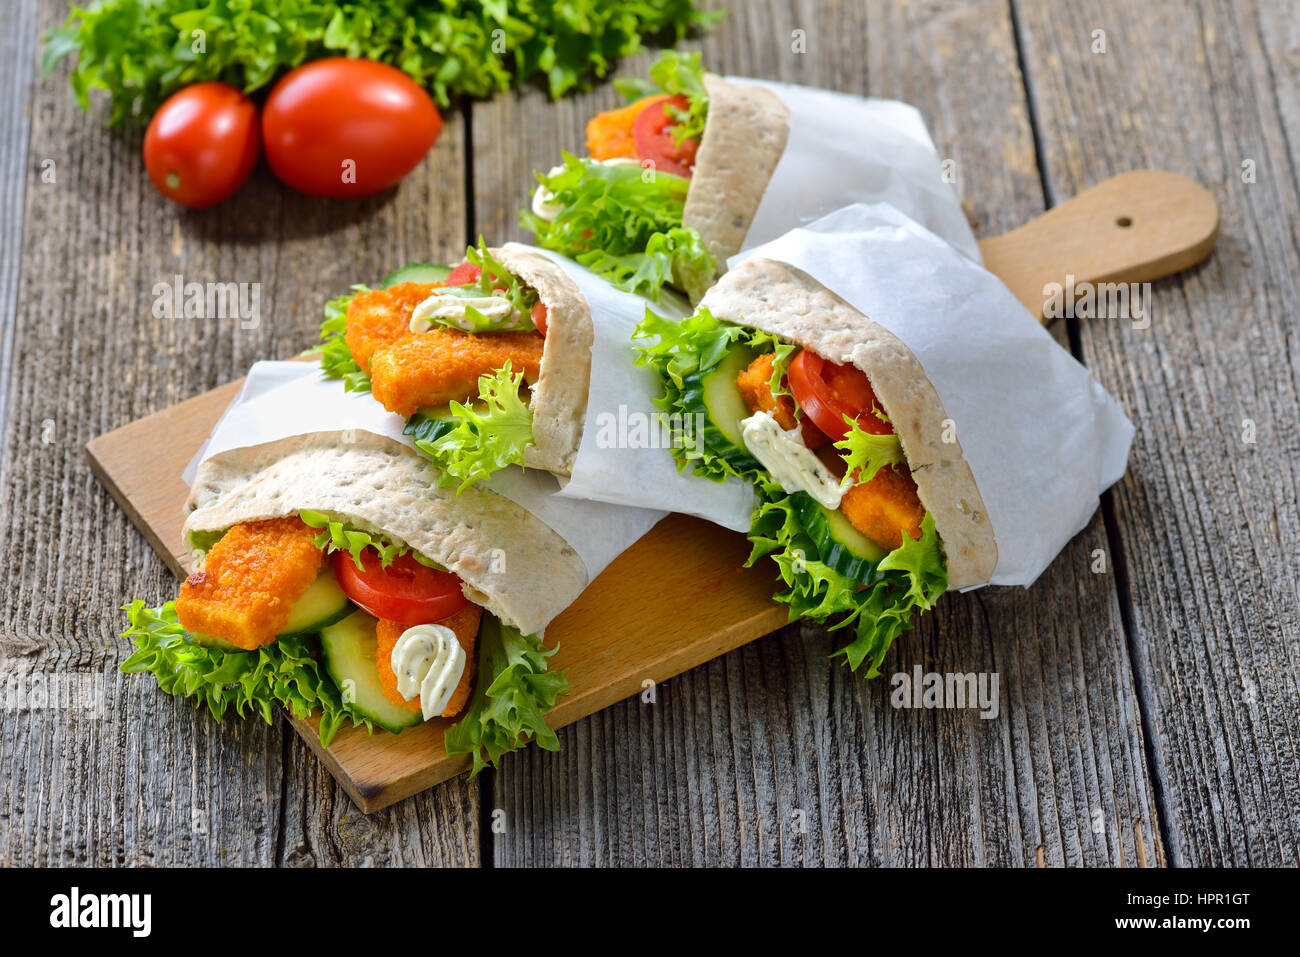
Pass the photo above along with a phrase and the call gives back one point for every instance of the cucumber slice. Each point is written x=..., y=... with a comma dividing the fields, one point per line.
x=430, y=424
x=349, y=649
x=416, y=272
x=323, y=603
x=838, y=543
x=717, y=393
x=215, y=642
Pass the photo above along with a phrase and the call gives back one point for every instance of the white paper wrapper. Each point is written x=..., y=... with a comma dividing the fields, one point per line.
x=609, y=467
x=1042, y=437
x=850, y=149
x=282, y=399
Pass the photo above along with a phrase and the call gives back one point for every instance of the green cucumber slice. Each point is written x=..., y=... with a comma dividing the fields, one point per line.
x=716, y=392
x=349, y=650
x=838, y=543
x=416, y=272
x=323, y=603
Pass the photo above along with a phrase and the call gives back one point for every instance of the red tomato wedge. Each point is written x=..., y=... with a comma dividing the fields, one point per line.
x=405, y=592
x=652, y=131
x=464, y=274
x=539, y=316
x=827, y=392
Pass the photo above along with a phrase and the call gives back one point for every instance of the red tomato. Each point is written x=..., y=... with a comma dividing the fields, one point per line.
x=652, y=131
x=202, y=144
x=827, y=392
x=405, y=592
x=464, y=274
x=539, y=316
x=340, y=127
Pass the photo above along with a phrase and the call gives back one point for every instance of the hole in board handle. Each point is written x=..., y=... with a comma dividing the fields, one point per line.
x=1124, y=222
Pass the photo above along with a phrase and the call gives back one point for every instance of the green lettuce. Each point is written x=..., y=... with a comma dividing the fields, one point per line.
x=676, y=74
x=336, y=359
x=141, y=51
x=512, y=693
x=686, y=350
x=344, y=537
x=866, y=454
x=487, y=436
x=910, y=578
x=623, y=223
x=284, y=674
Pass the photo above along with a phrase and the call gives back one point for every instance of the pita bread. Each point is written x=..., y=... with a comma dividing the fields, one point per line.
x=559, y=397
x=744, y=136
x=512, y=563
x=779, y=299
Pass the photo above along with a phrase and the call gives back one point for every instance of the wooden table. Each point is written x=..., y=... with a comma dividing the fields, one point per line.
x=1149, y=709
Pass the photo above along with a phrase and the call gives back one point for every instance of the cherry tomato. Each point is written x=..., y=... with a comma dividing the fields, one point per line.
x=827, y=392
x=202, y=144
x=405, y=592
x=652, y=132
x=341, y=127
x=464, y=274
x=539, y=316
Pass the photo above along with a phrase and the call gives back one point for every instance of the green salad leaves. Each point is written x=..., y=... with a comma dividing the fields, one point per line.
x=624, y=223
x=141, y=51
x=487, y=436
x=284, y=674
x=682, y=353
x=336, y=359
x=344, y=537
x=512, y=693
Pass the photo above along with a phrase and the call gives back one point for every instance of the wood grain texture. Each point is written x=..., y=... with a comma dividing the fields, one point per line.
x=772, y=754
x=153, y=781
x=1207, y=520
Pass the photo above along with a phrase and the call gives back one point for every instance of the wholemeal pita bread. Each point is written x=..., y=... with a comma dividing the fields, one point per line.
x=512, y=563
x=559, y=397
x=744, y=136
x=781, y=300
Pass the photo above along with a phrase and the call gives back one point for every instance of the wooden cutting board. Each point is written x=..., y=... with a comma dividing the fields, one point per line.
x=620, y=634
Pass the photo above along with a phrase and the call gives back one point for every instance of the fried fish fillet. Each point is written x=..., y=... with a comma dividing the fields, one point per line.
x=250, y=581
x=435, y=367
x=378, y=318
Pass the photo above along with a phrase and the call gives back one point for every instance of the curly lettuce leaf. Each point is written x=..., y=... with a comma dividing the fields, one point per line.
x=488, y=436
x=344, y=537
x=865, y=454
x=624, y=223
x=676, y=74
x=908, y=579
x=141, y=51
x=336, y=359
x=512, y=693
x=284, y=674
x=680, y=353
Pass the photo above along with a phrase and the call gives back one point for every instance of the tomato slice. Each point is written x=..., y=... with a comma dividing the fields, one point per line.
x=464, y=274
x=827, y=392
x=538, y=315
x=406, y=591
x=652, y=131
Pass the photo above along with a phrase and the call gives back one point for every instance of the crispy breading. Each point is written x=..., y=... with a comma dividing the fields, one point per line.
x=609, y=134
x=465, y=626
x=382, y=316
x=755, y=389
x=434, y=367
x=882, y=508
x=250, y=581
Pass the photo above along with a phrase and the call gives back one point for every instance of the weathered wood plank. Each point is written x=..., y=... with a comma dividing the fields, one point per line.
x=1208, y=519
x=154, y=782
x=773, y=754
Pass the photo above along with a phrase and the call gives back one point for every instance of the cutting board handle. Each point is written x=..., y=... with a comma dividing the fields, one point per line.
x=1134, y=227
